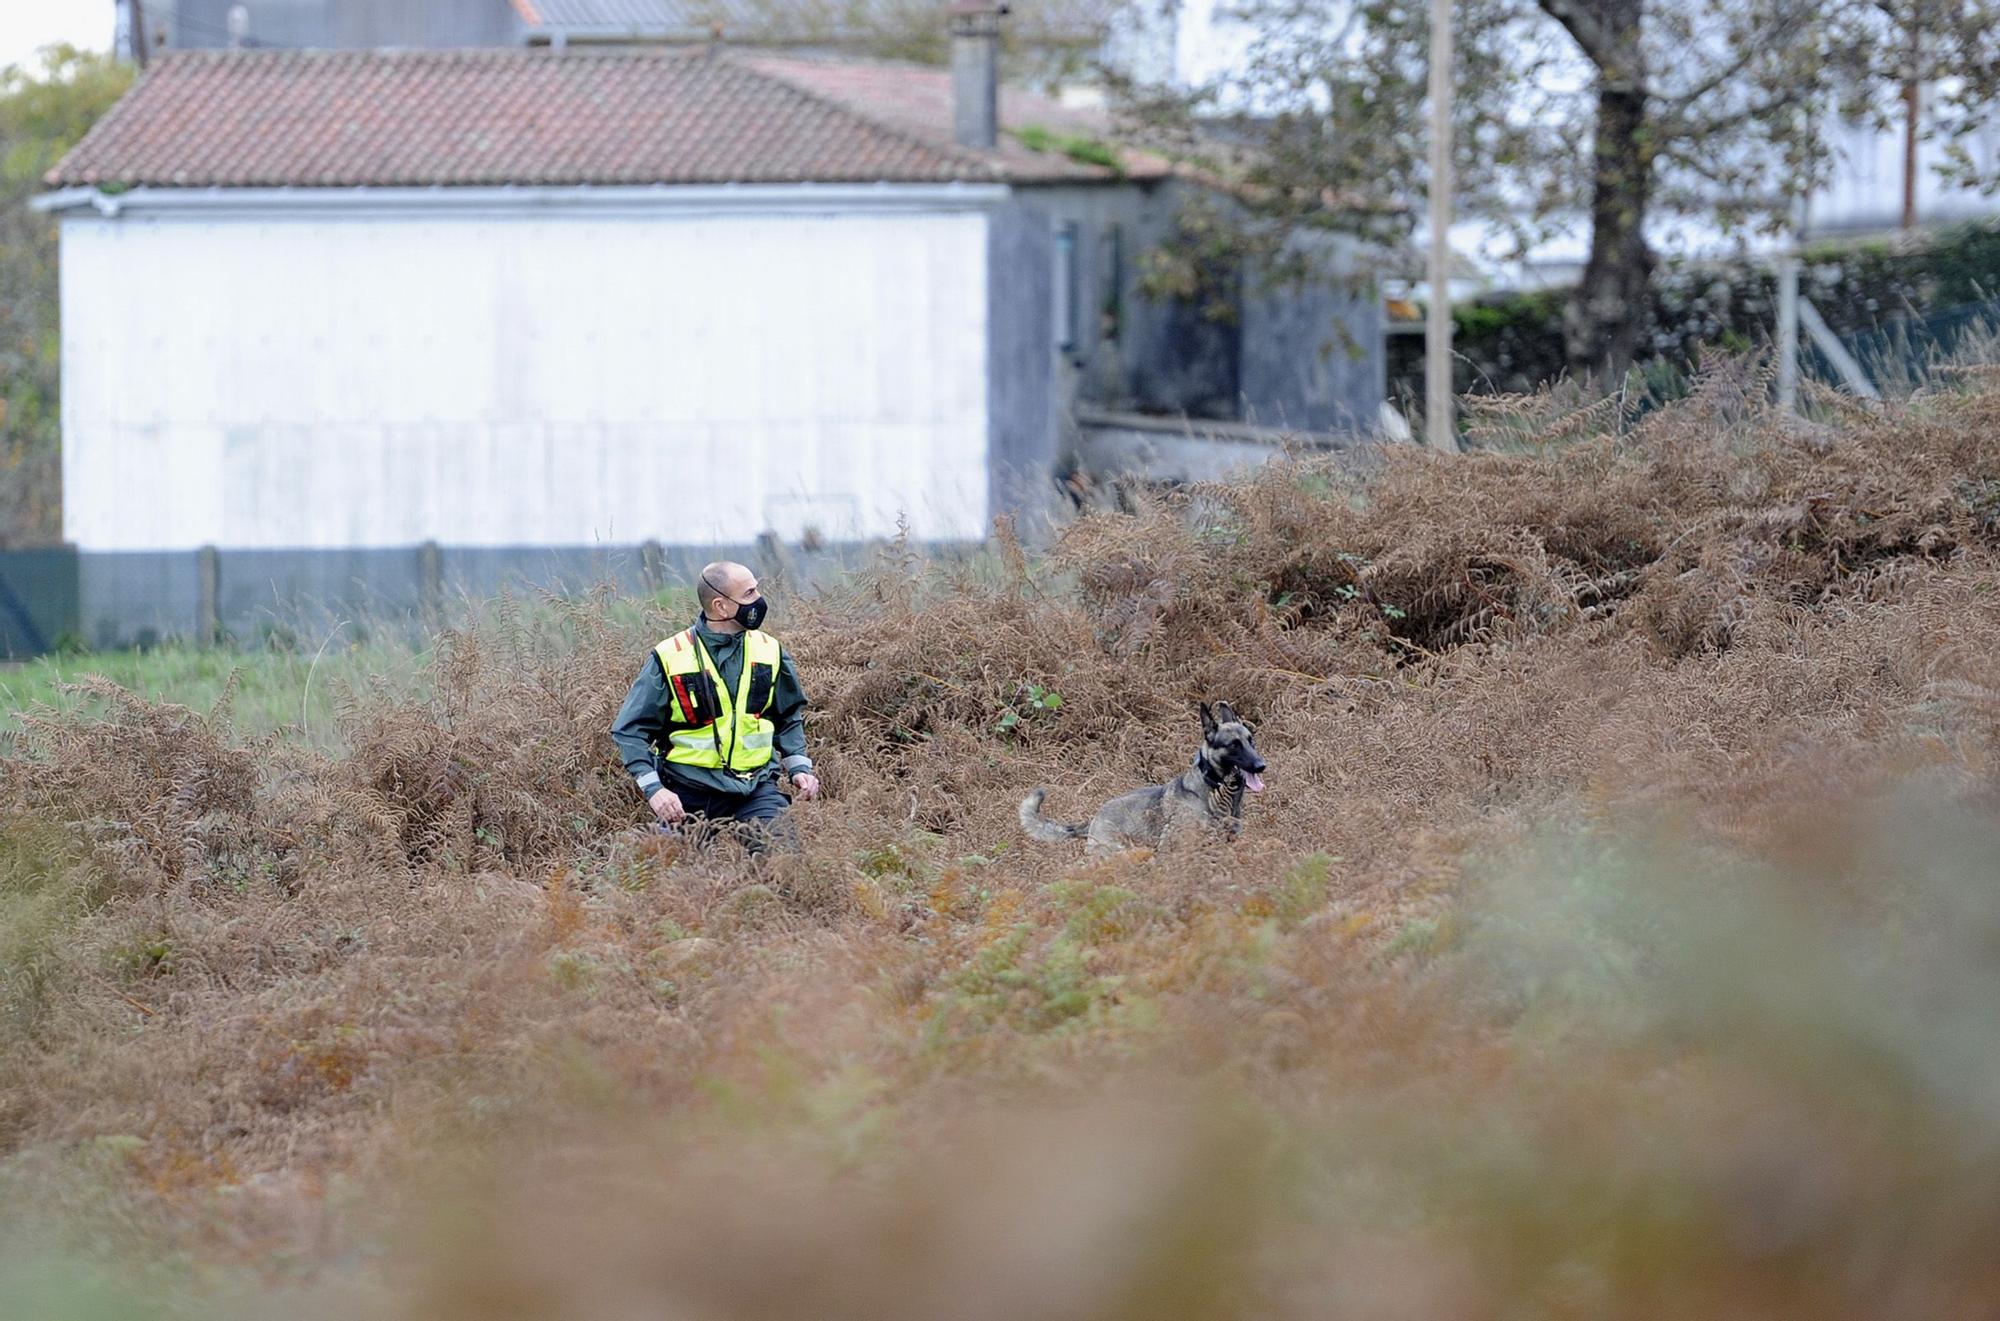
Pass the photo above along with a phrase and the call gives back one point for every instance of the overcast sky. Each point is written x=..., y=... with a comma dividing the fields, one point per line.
x=28, y=25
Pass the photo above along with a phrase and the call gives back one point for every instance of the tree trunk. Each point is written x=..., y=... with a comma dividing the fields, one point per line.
x=1607, y=314
x=1913, y=106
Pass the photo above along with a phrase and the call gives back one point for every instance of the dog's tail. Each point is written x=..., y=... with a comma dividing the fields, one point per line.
x=1040, y=827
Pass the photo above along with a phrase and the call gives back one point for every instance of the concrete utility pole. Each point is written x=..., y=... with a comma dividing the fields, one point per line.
x=1788, y=326
x=1438, y=420
x=1788, y=305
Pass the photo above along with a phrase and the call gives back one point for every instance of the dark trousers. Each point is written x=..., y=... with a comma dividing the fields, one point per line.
x=758, y=816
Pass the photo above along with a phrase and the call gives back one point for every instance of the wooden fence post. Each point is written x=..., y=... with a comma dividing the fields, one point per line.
x=208, y=596
x=652, y=567
x=430, y=585
x=773, y=567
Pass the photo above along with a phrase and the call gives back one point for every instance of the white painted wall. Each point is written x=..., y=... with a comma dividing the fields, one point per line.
x=1178, y=43
x=541, y=378
x=1866, y=190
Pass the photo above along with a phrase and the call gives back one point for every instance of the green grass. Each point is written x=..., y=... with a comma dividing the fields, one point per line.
x=278, y=691
x=48, y=884
x=291, y=687
x=1079, y=148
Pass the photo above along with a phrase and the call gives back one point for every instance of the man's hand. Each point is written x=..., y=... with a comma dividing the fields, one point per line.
x=807, y=784
x=666, y=805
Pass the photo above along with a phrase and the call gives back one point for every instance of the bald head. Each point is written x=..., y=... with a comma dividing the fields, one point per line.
x=724, y=589
x=723, y=578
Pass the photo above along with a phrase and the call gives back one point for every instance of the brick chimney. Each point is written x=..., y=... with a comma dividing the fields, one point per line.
x=975, y=72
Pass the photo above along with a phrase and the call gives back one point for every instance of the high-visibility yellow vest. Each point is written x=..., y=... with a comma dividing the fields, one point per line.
x=706, y=725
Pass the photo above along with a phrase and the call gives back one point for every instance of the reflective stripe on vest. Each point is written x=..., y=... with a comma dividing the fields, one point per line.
x=733, y=740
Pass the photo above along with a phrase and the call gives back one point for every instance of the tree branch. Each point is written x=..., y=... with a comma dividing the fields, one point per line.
x=1758, y=44
x=1683, y=128
x=1694, y=164
x=1583, y=28
x=1739, y=184
x=1687, y=99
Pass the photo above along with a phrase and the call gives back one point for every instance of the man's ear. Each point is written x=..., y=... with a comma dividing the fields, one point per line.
x=1208, y=723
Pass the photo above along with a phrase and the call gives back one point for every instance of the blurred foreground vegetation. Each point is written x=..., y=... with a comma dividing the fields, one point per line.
x=1619, y=935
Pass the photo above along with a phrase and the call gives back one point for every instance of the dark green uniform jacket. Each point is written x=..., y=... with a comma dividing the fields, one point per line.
x=642, y=722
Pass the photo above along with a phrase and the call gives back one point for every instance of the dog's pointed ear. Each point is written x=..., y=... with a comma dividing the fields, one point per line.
x=1224, y=713
x=1208, y=721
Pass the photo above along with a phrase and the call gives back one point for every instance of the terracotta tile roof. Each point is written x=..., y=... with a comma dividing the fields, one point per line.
x=416, y=118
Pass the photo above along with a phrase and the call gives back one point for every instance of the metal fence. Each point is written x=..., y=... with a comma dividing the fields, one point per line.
x=1905, y=352
x=55, y=598
x=38, y=601
x=103, y=601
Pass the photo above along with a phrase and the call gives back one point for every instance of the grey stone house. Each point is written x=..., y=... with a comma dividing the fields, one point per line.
x=334, y=319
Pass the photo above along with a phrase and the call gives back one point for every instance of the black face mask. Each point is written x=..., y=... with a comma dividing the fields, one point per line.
x=750, y=614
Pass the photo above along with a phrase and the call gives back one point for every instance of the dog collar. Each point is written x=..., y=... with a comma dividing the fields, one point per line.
x=1208, y=773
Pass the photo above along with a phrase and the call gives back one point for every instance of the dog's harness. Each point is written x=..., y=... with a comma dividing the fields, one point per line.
x=1219, y=787
x=1221, y=793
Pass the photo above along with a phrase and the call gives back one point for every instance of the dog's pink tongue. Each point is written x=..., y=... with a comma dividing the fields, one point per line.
x=1253, y=782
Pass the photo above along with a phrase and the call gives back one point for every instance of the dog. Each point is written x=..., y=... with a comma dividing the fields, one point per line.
x=1206, y=796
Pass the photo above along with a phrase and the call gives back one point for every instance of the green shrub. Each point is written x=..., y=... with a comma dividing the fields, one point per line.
x=49, y=882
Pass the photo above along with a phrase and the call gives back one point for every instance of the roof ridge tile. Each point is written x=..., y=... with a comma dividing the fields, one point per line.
x=360, y=118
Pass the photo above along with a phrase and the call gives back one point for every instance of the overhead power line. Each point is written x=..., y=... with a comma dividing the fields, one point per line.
x=151, y=11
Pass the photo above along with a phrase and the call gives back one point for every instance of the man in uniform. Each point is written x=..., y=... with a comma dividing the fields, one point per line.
x=716, y=713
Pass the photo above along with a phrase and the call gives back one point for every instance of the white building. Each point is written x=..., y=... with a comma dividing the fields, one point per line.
x=503, y=298
x=323, y=309
x=1865, y=194
x=320, y=309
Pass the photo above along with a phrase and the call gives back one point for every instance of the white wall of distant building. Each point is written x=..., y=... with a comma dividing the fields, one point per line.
x=382, y=379
x=1178, y=43
x=1866, y=191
